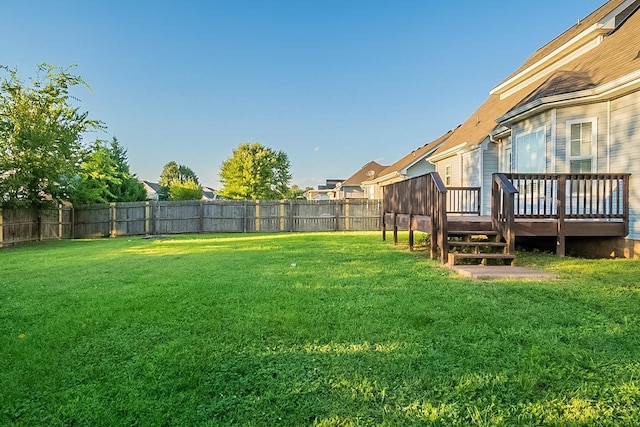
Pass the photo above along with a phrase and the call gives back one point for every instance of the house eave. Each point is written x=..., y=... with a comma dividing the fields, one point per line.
x=446, y=153
x=586, y=40
x=615, y=88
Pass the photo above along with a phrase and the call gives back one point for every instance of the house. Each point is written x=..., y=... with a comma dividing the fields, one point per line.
x=324, y=192
x=209, y=193
x=565, y=129
x=413, y=164
x=583, y=115
x=352, y=188
x=153, y=189
x=482, y=144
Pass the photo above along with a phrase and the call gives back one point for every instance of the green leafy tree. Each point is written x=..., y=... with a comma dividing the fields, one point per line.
x=97, y=175
x=296, y=192
x=189, y=190
x=130, y=189
x=40, y=136
x=255, y=172
x=173, y=172
x=105, y=177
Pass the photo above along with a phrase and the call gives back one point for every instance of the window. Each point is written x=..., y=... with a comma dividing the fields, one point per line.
x=581, y=141
x=531, y=152
x=506, y=158
x=447, y=175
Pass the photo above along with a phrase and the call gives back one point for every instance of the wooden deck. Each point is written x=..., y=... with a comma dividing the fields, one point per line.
x=523, y=205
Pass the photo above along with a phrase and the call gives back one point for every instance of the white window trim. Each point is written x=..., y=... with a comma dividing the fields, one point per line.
x=594, y=143
x=514, y=147
x=448, y=167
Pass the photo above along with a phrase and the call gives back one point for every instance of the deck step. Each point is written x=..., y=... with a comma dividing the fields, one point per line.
x=455, y=256
x=477, y=243
x=472, y=233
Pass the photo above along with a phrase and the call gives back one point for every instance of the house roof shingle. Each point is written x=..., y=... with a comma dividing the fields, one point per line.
x=587, y=71
x=595, y=68
x=369, y=171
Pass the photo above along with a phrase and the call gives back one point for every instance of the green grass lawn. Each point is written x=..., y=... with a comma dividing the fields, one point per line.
x=214, y=330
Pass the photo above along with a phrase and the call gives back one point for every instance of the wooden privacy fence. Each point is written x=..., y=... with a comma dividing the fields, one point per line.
x=140, y=218
x=24, y=225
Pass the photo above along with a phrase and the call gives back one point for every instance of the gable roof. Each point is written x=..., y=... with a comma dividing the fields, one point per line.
x=614, y=62
x=579, y=38
x=479, y=125
x=153, y=186
x=366, y=172
x=419, y=154
x=521, y=86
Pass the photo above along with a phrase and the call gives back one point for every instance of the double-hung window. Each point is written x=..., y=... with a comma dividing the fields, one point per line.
x=447, y=175
x=581, y=145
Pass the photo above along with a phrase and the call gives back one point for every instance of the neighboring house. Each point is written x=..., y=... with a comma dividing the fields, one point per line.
x=324, y=192
x=573, y=106
x=209, y=193
x=153, y=190
x=411, y=165
x=352, y=188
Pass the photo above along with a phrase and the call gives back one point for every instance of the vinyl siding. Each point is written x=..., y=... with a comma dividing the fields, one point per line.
x=583, y=112
x=471, y=168
x=420, y=168
x=454, y=161
x=625, y=151
x=489, y=167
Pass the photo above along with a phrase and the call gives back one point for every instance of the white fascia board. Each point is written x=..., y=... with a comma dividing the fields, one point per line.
x=446, y=153
x=552, y=67
x=585, y=38
x=382, y=178
x=612, y=89
x=418, y=159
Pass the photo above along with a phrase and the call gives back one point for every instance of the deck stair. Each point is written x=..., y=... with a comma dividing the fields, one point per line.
x=477, y=245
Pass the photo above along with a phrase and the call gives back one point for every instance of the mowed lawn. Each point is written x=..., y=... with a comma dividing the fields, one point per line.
x=327, y=329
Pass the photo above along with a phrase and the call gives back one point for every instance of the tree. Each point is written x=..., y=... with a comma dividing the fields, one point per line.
x=296, y=192
x=189, y=190
x=40, y=136
x=105, y=177
x=173, y=173
x=255, y=172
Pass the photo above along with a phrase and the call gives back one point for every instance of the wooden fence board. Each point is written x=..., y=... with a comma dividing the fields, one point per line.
x=173, y=217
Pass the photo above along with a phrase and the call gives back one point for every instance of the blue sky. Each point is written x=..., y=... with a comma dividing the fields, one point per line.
x=333, y=83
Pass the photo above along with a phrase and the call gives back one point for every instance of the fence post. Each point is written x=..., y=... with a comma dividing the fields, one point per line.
x=291, y=215
x=346, y=214
x=282, y=214
x=201, y=223
x=1, y=229
x=147, y=217
x=112, y=215
x=257, y=216
x=60, y=221
x=244, y=217
x=336, y=215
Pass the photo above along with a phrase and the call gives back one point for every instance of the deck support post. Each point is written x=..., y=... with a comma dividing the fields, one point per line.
x=395, y=229
x=411, y=232
x=562, y=197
